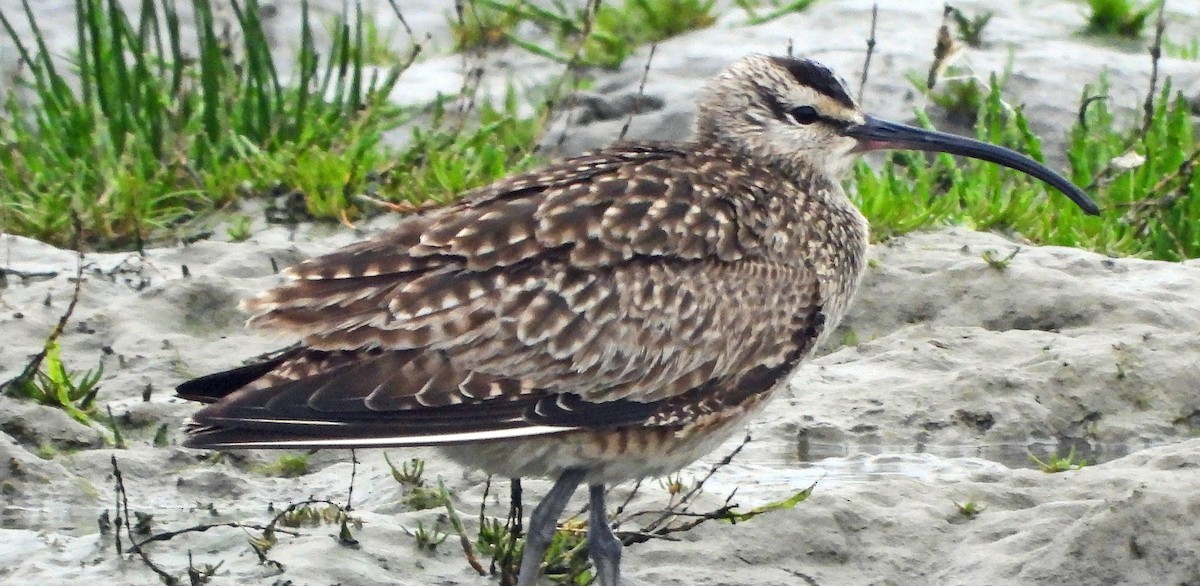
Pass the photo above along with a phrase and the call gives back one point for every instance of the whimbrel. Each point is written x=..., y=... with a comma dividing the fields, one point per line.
x=607, y=317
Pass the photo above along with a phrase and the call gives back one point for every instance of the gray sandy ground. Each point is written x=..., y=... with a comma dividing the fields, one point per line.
x=945, y=372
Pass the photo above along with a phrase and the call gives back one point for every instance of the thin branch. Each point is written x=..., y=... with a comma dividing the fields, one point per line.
x=661, y=525
x=1139, y=209
x=862, y=83
x=403, y=22
x=504, y=556
x=24, y=275
x=571, y=72
x=641, y=93
x=944, y=50
x=292, y=507
x=473, y=69
x=1081, y=116
x=1110, y=171
x=1155, y=55
x=123, y=514
x=353, y=473
x=628, y=498
x=168, y=535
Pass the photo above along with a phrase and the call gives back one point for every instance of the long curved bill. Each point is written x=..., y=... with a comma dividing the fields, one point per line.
x=877, y=134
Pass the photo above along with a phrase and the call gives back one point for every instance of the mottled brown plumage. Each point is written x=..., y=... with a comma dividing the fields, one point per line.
x=604, y=290
x=607, y=317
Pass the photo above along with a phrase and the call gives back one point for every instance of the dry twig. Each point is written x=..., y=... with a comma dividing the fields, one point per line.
x=1155, y=54
x=862, y=83
x=641, y=93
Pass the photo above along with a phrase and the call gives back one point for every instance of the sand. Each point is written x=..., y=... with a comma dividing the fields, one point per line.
x=946, y=373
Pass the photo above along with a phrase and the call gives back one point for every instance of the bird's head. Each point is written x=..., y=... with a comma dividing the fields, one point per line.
x=798, y=114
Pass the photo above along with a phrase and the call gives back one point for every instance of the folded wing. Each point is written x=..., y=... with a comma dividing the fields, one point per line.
x=594, y=294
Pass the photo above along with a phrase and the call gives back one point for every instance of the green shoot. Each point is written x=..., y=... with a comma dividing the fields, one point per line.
x=970, y=28
x=566, y=557
x=1053, y=463
x=409, y=474
x=428, y=539
x=162, y=436
x=493, y=535
x=779, y=505
x=57, y=386
x=239, y=228
x=995, y=261
x=969, y=508
x=312, y=515
x=118, y=438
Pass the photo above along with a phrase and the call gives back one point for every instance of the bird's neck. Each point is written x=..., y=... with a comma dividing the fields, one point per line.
x=798, y=214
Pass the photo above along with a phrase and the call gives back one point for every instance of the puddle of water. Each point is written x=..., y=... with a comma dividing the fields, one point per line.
x=767, y=469
x=1010, y=455
x=73, y=521
x=77, y=521
x=854, y=469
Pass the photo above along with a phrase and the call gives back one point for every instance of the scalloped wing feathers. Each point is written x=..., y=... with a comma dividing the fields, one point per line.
x=600, y=291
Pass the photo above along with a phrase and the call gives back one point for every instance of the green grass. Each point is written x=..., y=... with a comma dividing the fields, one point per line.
x=1122, y=18
x=760, y=11
x=118, y=438
x=288, y=466
x=604, y=39
x=1149, y=210
x=447, y=158
x=482, y=25
x=376, y=45
x=1152, y=207
x=409, y=474
x=960, y=97
x=172, y=133
x=239, y=228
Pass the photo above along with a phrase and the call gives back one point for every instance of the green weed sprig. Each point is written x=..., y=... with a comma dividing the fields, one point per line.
x=57, y=386
x=158, y=132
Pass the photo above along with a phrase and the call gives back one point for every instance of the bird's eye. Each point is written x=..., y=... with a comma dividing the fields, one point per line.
x=804, y=114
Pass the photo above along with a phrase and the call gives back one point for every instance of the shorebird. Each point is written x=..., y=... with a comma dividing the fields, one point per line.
x=608, y=317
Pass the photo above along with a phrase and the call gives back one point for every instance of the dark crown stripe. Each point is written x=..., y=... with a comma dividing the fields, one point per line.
x=816, y=76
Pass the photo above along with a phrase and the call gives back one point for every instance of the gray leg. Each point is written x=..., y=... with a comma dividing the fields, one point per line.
x=542, y=523
x=603, y=546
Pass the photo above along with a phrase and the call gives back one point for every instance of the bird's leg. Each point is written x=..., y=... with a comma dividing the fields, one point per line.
x=603, y=546
x=542, y=522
